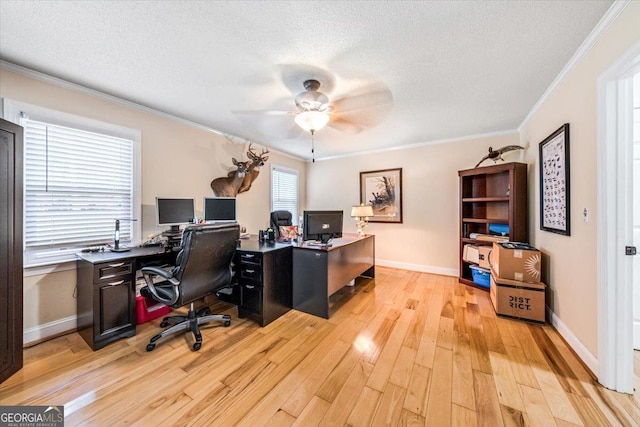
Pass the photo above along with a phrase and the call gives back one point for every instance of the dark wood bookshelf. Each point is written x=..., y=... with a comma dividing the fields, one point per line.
x=492, y=195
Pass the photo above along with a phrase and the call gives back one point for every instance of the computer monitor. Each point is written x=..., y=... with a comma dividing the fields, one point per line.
x=174, y=212
x=219, y=209
x=322, y=225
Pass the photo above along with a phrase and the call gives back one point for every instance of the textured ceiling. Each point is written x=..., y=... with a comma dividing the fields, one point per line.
x=398, y=73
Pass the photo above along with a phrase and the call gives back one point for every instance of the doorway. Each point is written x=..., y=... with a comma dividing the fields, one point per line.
x=636, y=211
x=616, y=219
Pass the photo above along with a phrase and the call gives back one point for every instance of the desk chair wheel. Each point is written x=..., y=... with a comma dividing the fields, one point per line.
x=150, y=347
x=164, y=323
x=197, y=346
x=227, y=323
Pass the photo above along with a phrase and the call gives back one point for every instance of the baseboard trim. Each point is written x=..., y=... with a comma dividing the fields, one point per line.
x=417, y=267
x=39, y=333
x=576, y=345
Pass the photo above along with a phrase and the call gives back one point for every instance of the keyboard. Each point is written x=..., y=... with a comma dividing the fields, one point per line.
x=318, y=245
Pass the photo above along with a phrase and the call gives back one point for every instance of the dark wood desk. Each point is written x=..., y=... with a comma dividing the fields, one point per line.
x=106, y=299
x=264, y=278
x=318, y=273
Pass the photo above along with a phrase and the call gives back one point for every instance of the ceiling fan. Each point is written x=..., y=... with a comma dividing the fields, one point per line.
x=350, y=113
x=314, y=107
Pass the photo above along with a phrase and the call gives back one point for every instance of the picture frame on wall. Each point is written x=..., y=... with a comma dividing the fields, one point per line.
x=554, y=182
x=382, y=190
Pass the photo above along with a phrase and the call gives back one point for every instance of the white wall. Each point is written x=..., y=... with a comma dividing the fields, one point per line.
x=428, y=238
x=571, y=273
x=177, y=160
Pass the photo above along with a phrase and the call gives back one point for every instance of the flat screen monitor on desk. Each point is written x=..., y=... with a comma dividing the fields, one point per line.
x=322, y=225
x=220, y=209
x=174, y=212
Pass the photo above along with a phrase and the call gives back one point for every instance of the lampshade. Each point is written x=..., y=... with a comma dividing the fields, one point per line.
x=361, y=211
x=312, y=120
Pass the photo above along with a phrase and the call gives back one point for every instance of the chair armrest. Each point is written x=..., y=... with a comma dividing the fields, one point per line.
x=156, y=271
x=149, y=272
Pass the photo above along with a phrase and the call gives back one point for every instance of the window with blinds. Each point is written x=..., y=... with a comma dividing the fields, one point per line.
x=284, y=191
x=78, y=181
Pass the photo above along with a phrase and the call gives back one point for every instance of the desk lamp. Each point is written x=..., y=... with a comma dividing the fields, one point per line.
x=361, y=214
x=116, y=237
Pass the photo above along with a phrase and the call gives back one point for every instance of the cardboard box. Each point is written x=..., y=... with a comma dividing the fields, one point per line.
x=483, y=256
x=516, y=261
x=470, y=253
x=517, y=299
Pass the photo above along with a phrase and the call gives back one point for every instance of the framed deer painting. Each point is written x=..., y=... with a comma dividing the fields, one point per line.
x=382, y=190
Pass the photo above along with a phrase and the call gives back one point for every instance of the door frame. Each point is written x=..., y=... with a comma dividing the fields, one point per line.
x=614, y=231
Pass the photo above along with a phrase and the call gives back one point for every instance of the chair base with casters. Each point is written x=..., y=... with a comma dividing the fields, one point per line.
x=191, y=321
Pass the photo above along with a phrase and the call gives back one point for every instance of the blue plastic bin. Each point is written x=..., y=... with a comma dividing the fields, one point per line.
x=500, y=229
x=481, y=276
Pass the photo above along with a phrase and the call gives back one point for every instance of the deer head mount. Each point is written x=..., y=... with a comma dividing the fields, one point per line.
x=240, y=180
x=257, y=160
x=228, y=186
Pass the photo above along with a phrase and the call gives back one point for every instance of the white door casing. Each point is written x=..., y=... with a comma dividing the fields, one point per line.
x=636, y=210
x=615, y=207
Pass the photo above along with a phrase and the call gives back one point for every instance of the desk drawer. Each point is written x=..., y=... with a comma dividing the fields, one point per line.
x=111, y=270
x=247, y=258
x=251, y=298
x=251, y=272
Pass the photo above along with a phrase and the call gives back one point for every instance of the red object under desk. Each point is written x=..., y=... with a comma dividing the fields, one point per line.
x=148, y=309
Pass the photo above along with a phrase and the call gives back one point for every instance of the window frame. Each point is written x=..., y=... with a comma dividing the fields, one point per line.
x=284, y=169
x=12, y=111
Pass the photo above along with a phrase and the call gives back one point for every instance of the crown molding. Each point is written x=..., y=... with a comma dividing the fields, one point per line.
x=612, y=13
x=18, y=69
x=420, y=144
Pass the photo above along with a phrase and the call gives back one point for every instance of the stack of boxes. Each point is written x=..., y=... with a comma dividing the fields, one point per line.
x=516, y=289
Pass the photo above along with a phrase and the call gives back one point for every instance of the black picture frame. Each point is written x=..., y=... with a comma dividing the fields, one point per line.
x=555, y=200
x=382, y=190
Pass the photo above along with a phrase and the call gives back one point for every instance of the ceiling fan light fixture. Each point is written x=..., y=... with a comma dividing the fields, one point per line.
x=312, y=121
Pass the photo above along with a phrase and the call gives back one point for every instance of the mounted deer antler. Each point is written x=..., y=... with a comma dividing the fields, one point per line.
x=228, y=186
x=257, y=160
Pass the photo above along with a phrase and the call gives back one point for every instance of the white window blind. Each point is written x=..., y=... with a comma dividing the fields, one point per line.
x=77, y=183
x=284, y=191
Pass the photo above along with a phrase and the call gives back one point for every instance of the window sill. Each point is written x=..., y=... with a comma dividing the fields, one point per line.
x=56, y=267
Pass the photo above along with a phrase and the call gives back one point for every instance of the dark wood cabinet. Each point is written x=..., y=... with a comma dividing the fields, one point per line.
x=264, y=274
x=492, y=195
x=107, y=292
x=106, y=301
x=11, y=173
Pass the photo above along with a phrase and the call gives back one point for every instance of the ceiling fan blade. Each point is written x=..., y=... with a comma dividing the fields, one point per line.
x=362, y=101
x=294, y=132
x=344, y=125
x=267, y=112
x=270, y=123
x=293, y=76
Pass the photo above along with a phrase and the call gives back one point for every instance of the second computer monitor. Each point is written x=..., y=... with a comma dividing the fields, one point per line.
x=219, y=209
x=322, y=225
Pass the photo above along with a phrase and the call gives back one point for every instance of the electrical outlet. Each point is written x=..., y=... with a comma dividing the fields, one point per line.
x=585, y=215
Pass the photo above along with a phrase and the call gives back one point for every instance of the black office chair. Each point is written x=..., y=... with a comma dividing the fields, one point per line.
x=203, y=267
x=279, y=218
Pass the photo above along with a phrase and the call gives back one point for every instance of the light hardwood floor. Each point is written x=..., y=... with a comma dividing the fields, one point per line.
x=406, y=349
